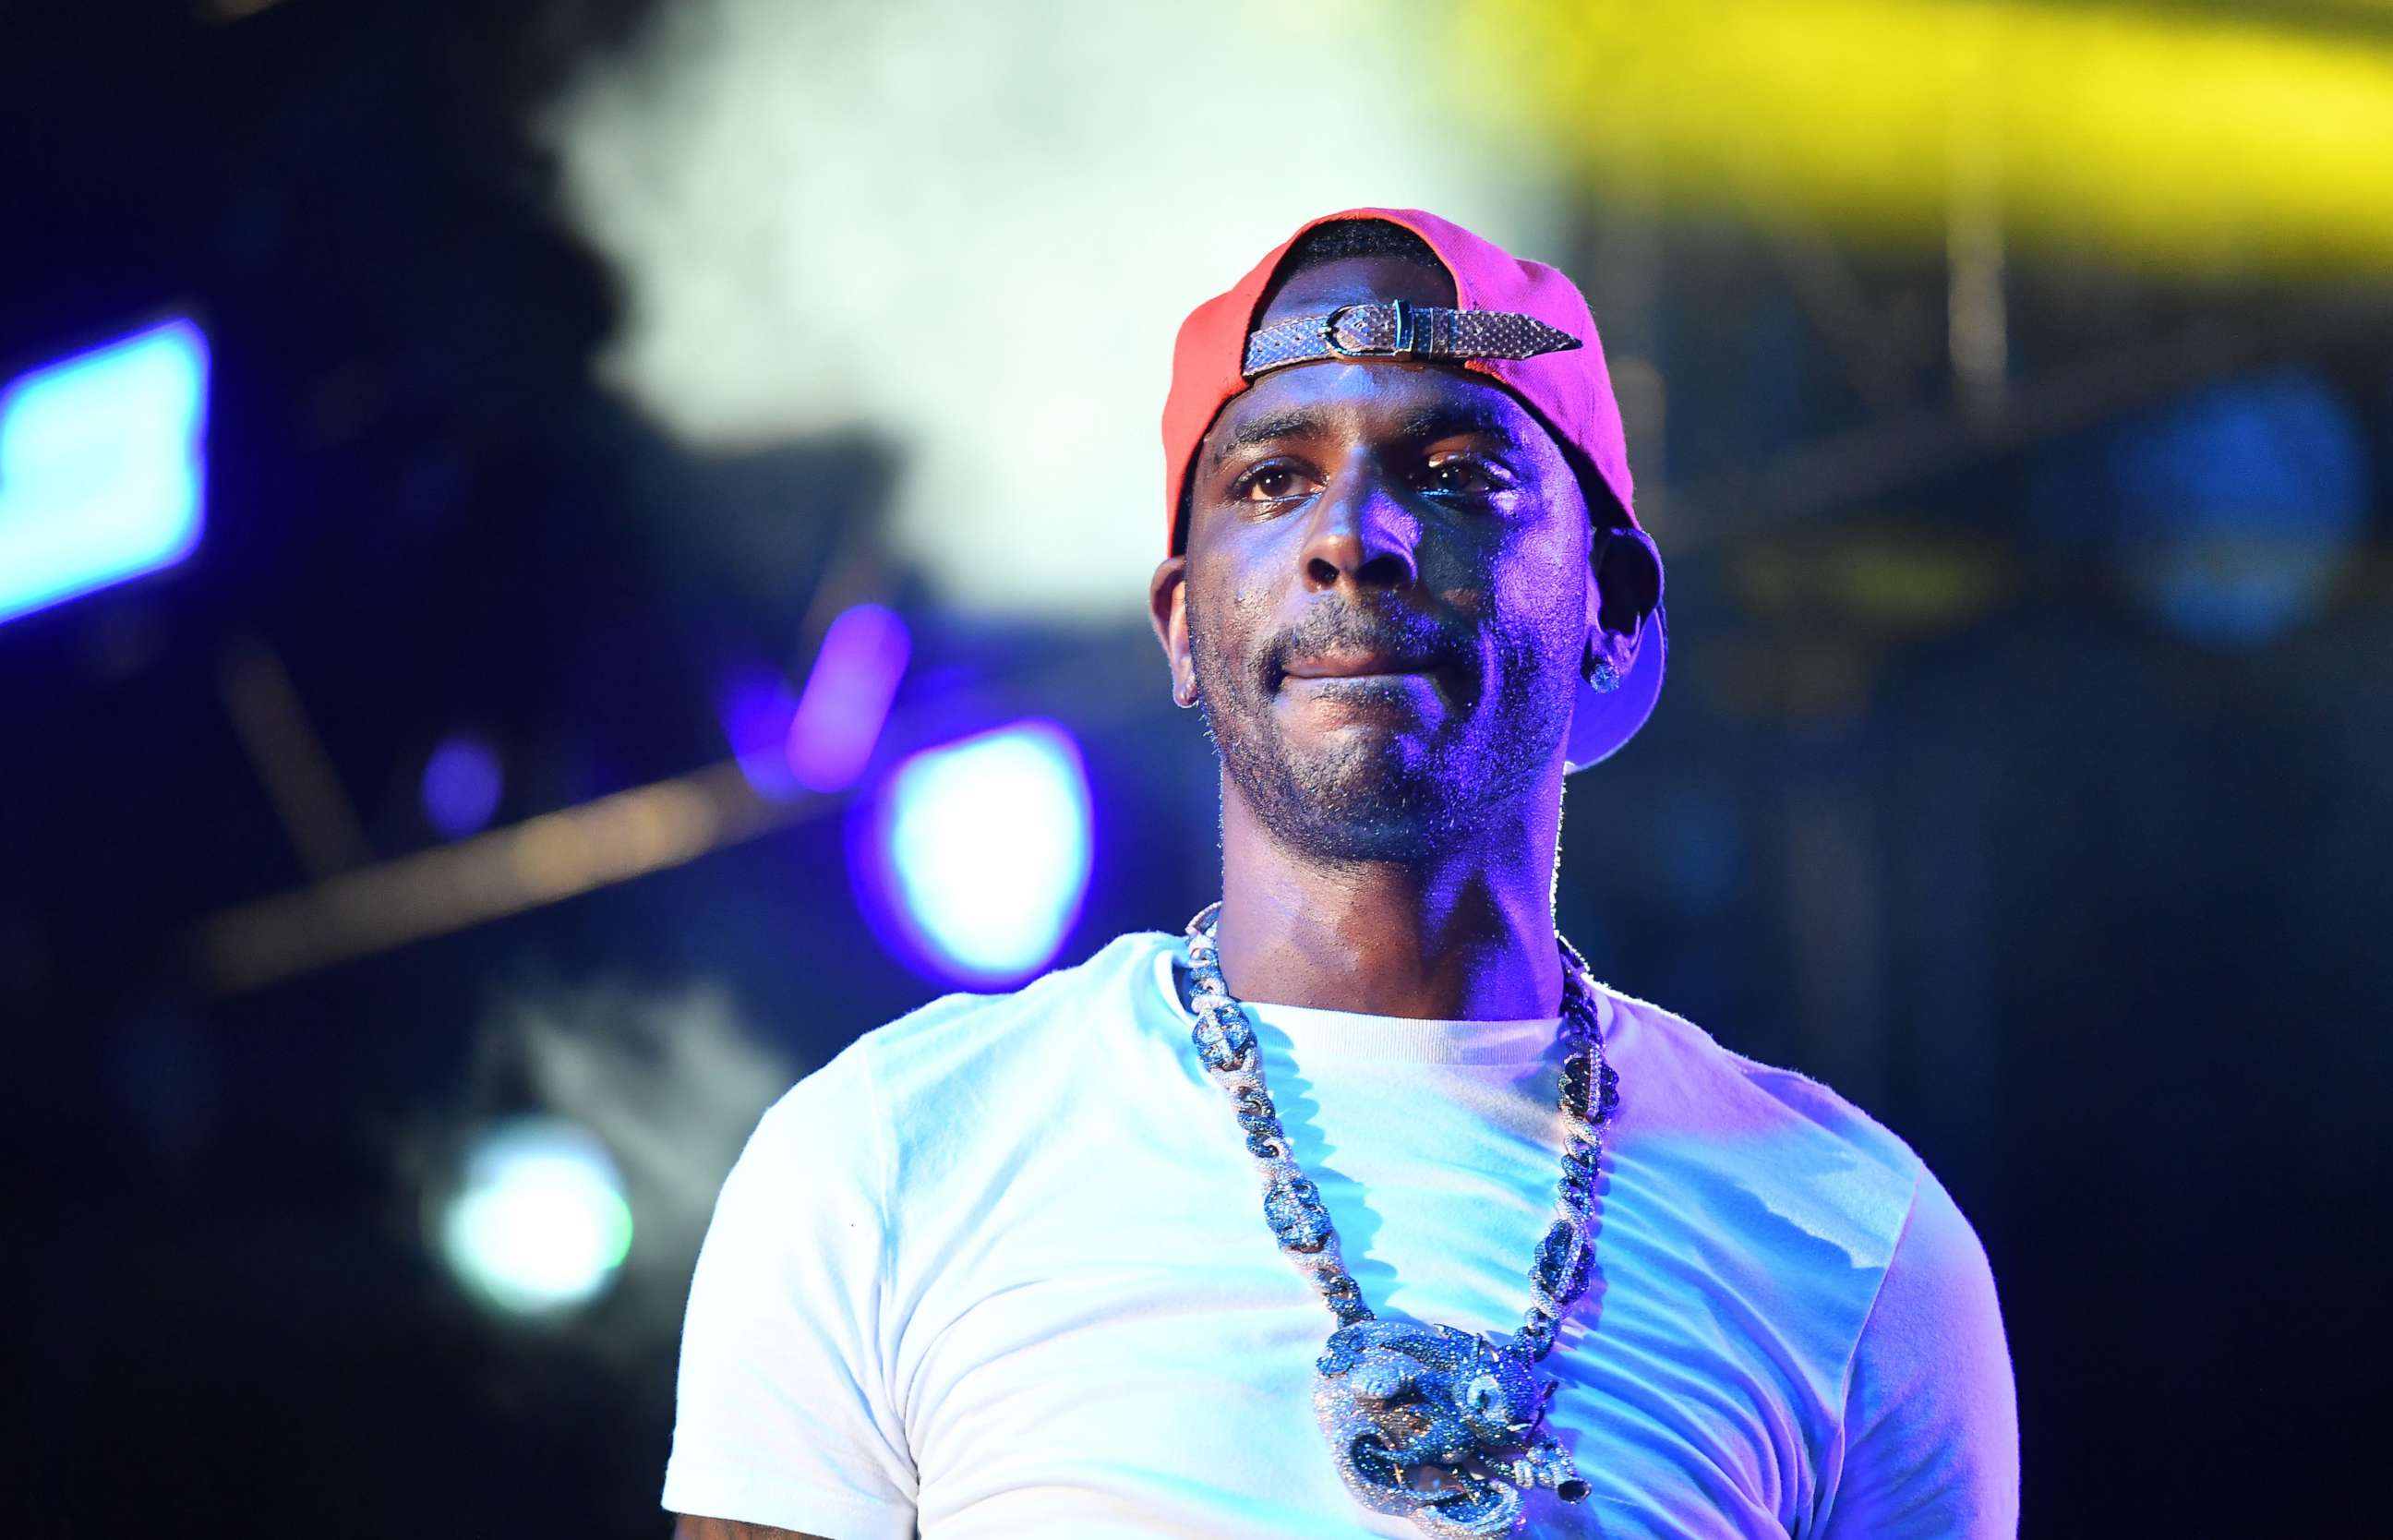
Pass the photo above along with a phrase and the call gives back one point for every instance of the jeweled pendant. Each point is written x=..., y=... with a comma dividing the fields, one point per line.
x=1433, y=1424
x=1439, y=1425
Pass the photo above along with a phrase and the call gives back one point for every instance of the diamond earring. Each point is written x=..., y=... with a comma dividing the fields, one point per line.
x=1602, y=677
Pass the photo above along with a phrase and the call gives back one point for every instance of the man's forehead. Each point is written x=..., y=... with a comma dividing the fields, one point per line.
x=1383, y=398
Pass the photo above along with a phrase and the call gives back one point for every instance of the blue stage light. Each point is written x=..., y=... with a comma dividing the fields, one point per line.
x=2247, y=503
x=537, y=1222
x=102, y=466
x=2232, y=514
x=462, y=782
x=974, y=857
x=755, y=706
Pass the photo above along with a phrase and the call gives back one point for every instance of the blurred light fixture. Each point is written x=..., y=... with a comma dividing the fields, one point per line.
x=618, y=837
x=536, y=1223
x=2211, y=139
x=847, y=701
x=102, y=466
x=973, y=858
x=755, y=708
x=2259, y=490
x=463, y=781
x=2231, y=514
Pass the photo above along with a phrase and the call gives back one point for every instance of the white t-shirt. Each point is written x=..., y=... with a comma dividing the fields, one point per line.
x=1001, y=1269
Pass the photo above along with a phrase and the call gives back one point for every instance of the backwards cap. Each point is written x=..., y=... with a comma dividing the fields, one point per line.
x=1521, y=323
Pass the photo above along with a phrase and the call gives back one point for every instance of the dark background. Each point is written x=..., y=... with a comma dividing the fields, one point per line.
x=2082, y=891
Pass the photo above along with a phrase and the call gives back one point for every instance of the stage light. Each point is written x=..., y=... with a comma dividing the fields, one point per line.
x=847, y=700
x=2231, y=514
x=461, y=784
x=755, y=708
x=537, y=1223
x=2252, y=499
x=2205, y=139
x=102, y=466
x=974, y=857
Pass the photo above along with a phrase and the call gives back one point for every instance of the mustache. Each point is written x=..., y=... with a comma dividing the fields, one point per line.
x=1339, y=625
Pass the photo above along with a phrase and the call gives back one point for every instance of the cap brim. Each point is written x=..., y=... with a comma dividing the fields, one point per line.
x=1601, y=724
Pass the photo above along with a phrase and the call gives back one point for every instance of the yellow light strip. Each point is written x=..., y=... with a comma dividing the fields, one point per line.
x=2202, y=142
x=505, y=871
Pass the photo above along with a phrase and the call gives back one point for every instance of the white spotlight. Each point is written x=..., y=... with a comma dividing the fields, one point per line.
x=537, y=1223
x=975, y=858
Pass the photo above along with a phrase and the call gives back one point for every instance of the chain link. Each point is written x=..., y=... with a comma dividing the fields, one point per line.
x=1564, y=1265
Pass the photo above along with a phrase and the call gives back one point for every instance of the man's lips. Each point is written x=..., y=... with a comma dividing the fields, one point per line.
x=1356, y=665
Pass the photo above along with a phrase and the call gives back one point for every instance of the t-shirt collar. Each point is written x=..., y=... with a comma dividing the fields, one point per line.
x=1352, y=1035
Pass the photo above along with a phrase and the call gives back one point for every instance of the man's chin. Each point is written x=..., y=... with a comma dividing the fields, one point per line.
x=1364, y=764
x=1360, y=789
x=1403, y=837
x=1373, y=800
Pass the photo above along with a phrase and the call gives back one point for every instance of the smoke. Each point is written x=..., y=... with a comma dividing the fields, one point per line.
x=671, y=1082
x=971, y=229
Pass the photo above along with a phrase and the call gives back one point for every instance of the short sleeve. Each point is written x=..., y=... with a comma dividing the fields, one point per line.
x=785, y=1415
x=1931, y=1419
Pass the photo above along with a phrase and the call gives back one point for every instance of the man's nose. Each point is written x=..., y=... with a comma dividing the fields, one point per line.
x=1362, y=534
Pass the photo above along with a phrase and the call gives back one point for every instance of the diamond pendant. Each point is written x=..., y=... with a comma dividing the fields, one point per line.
x=1439, y=1425
x=1426, y=1422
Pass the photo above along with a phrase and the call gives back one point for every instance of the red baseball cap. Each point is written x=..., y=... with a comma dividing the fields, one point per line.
x=1522, y=324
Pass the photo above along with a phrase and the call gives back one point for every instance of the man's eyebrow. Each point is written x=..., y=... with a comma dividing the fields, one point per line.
x=1448, y=419
x=1293, y=423
x=1444, y=420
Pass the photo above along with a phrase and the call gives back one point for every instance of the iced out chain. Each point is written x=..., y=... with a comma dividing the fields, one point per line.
x=1292, y=1206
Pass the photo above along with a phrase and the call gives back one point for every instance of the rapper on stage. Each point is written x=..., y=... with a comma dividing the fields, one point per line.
x=1357, y=1207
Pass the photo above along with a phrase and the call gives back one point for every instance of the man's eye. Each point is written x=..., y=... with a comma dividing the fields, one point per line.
x=1464, y=478
x=1272, y=484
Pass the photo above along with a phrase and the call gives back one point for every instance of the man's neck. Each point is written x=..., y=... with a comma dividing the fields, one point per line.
x=1467, y=936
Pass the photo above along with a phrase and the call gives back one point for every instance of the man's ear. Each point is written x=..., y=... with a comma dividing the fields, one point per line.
x=1626, y=589
x=1167, y=609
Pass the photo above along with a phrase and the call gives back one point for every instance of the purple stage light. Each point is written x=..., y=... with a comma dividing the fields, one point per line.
x=461, y=784
x=847, y=701
x=755, y=708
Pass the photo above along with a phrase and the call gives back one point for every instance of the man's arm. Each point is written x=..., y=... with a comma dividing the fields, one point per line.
x=689, y=1528
x=783, y=1416
x=1931, y=1422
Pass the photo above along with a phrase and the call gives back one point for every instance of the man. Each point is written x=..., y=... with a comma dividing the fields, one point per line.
x=999, y=1269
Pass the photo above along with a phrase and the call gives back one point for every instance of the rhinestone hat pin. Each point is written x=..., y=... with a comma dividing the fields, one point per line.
x=1439, y=1425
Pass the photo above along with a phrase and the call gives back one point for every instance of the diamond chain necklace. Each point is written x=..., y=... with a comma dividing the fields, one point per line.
x=1433, y=1423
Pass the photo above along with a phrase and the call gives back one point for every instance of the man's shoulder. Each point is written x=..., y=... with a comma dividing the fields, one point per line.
x=1812, y=1155
x=963, y=1031
x=1764, y=1090
x=963, y=1041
